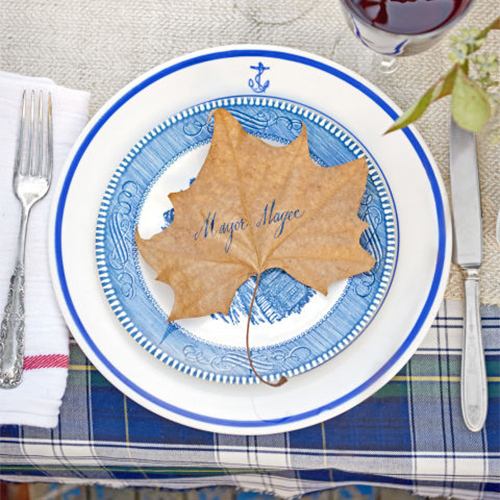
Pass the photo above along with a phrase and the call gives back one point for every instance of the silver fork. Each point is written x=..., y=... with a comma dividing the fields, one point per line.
x=32, y=176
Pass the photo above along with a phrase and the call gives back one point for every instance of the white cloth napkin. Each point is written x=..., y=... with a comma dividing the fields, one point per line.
x=37, y=400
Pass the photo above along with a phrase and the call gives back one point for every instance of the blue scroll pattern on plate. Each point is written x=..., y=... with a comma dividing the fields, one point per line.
x=281, y=296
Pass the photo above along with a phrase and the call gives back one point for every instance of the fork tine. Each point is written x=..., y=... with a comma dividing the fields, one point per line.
x=31, y=126
x=37, y=163
x=20, y=137
x=49, y=141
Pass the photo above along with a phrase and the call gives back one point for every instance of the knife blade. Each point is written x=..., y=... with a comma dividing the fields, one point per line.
x=468, y=253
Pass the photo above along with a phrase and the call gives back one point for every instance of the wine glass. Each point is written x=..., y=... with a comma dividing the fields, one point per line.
x=394, y=28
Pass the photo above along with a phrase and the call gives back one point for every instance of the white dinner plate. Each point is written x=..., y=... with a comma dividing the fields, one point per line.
x=273, y=74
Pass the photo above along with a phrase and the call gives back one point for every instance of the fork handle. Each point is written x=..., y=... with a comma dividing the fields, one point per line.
x=12, y=327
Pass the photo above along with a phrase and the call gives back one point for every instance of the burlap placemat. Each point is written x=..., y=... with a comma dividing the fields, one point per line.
x=102, y=45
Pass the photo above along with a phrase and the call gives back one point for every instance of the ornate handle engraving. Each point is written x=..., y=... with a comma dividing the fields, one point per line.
x=12, y=332
x=474, y=386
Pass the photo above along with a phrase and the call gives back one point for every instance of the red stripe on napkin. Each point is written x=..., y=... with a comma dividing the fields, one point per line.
x=46, y=361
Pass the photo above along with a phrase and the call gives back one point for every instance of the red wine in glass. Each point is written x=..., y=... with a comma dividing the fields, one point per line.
x=402, y=27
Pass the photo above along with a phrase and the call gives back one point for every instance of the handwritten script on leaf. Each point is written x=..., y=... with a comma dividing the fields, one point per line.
x=254, y=207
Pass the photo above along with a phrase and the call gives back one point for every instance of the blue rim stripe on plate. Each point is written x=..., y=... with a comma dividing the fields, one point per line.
x=439, y=204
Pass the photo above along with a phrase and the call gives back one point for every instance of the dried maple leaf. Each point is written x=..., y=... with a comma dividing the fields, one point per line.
x=253, y=207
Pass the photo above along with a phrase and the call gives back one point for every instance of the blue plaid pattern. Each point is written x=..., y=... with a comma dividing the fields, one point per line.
x=409, y=435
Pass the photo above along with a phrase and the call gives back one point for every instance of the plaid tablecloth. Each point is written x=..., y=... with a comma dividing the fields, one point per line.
x=408, y=435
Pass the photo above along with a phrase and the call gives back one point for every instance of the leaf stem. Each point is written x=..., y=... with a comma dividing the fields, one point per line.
x=283, y=379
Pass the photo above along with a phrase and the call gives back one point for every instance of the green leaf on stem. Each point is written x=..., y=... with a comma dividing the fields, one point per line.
x=440, y=89
x=469, y=103
x=494, y=25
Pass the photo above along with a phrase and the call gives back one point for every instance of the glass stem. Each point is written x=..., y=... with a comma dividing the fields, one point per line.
x=388, y=64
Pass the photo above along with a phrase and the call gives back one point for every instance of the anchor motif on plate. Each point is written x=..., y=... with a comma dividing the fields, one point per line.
x=255, y=83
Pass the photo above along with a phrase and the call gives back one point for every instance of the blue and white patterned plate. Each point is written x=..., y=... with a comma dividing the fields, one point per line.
x=294, y=328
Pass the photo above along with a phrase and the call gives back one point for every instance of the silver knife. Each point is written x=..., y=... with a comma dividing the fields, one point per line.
x=468, y=254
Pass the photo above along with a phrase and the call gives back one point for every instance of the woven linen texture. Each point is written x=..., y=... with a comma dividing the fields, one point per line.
x=102, y=46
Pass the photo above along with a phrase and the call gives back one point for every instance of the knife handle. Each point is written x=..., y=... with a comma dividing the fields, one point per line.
x=474, y=389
